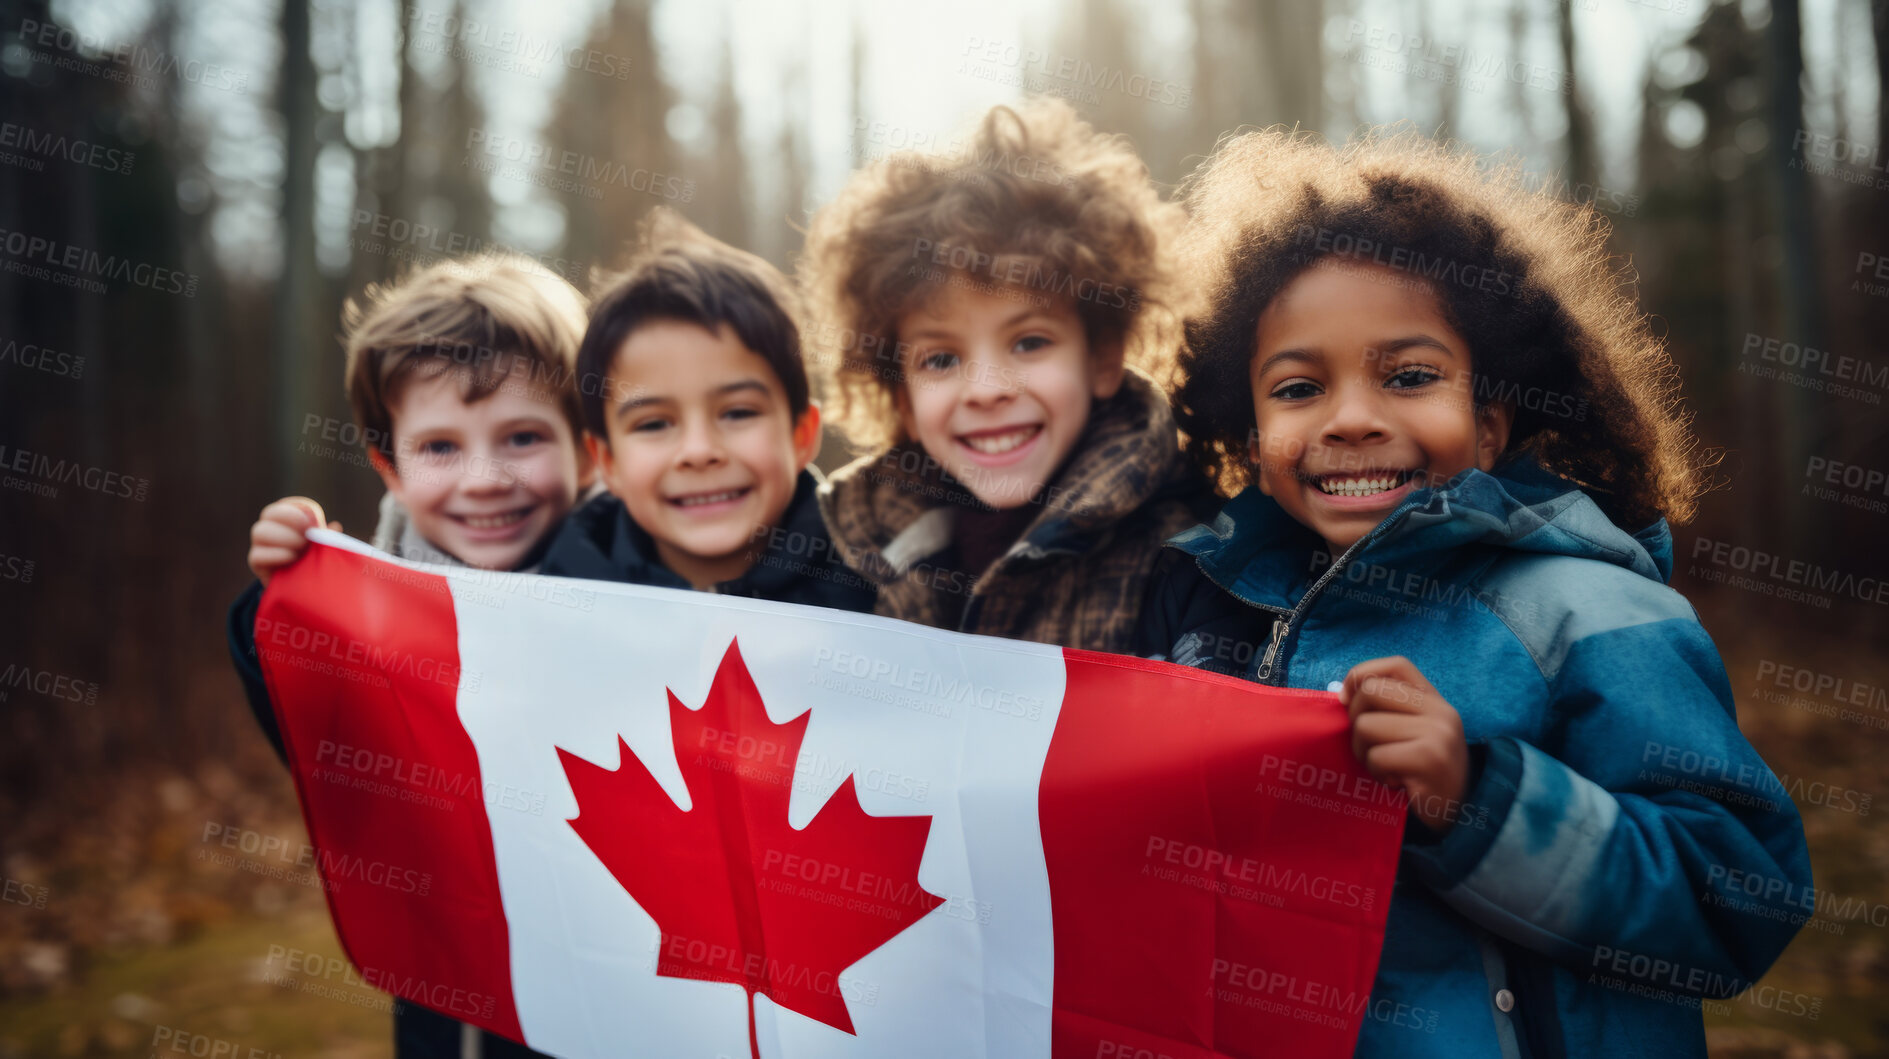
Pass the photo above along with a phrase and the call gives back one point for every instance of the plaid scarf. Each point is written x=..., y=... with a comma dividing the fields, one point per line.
x=1076, y=575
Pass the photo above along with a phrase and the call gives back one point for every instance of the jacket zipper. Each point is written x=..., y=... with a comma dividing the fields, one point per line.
x=1272, y=647
x=1282, y=627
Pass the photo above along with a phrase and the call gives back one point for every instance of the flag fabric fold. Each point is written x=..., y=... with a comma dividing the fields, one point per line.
x=608, y=820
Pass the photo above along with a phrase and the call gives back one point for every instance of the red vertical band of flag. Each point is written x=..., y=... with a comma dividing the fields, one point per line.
x=1200, y=908
x=368, y=654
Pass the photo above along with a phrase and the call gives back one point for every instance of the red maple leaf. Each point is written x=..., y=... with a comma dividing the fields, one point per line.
x=740, y=896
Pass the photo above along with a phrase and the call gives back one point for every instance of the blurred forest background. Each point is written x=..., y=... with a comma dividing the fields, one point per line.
x=260, y=160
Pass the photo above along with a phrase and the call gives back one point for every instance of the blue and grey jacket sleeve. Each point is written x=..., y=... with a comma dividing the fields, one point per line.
x=1654, y=846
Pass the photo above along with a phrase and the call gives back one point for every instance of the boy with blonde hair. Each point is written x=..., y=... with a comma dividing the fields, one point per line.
x=463, y=382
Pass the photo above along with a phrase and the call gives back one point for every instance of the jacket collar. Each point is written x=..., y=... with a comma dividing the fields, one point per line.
x=890, y=511
x=396, y=534
x=1258, y=552
x=604, y=543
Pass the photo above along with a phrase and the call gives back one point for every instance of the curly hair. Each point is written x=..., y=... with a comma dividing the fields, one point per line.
x=1550, y=318
x=1035, y=206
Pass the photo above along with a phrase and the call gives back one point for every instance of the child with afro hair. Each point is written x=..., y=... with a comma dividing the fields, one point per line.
x=1460, y=447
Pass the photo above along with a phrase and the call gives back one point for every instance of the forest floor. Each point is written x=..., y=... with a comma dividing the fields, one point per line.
x=140, y=932
x=141, y=928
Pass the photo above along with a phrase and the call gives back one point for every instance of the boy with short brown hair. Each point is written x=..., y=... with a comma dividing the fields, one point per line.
x=462, y=377
x=703, y=429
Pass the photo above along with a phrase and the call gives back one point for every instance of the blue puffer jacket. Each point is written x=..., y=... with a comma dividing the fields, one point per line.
x=1600, y=881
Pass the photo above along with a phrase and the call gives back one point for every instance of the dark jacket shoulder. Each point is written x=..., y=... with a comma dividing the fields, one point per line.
x=1189, y=620
x=240, y=630
x=797, y=561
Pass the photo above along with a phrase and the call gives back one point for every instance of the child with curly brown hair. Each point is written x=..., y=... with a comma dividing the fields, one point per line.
x=1460, y=447
x=983, y=316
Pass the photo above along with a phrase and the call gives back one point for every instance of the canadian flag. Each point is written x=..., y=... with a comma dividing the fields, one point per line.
x=607, y=820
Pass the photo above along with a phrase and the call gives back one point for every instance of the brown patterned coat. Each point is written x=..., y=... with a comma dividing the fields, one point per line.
x=1076, y=576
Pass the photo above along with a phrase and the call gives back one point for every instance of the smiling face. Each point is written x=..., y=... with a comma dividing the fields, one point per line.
x=702, y=447
x=1361, y=391
x=998, y=390
x=482, y=480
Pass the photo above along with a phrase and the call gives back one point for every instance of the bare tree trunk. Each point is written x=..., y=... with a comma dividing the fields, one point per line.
x=775, y=239
x=1449, y=93
x=723, y=209
x=1795, y=225
x=297, y=362
x=1526, y=138
x=1582, y=167
x=1879, y=29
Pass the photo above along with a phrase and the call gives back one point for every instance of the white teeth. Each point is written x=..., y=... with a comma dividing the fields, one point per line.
x=1359, y=486
x=494, y=521
x=710, y=498
x=993, y=444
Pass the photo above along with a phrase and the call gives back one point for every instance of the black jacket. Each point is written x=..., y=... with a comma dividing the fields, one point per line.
x=797, y=565
x=1189, y=620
